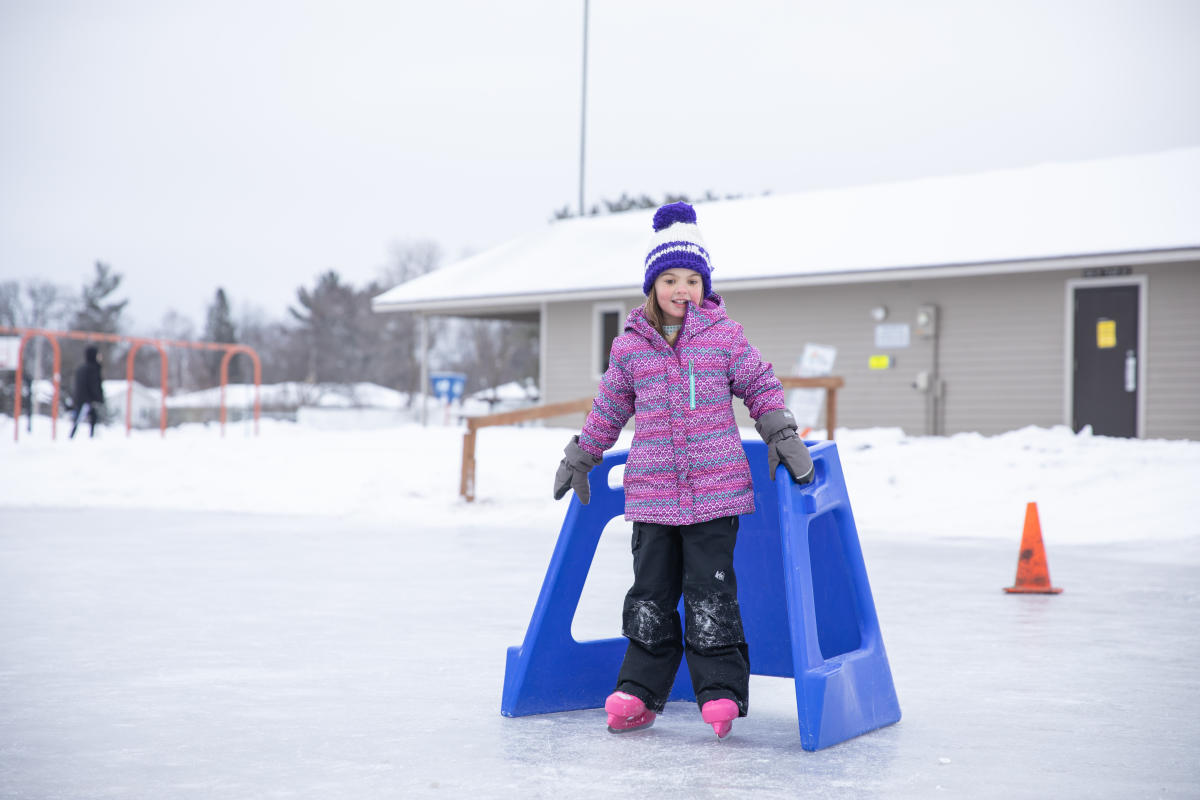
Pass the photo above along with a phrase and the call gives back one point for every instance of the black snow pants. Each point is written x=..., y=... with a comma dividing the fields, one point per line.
x=90, y=410
x=697, y=562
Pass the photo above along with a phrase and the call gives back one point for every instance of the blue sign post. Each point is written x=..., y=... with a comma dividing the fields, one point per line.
x=447, y=386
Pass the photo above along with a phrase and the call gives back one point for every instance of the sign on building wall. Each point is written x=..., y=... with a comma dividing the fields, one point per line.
x=892, y=334
x=805, y=404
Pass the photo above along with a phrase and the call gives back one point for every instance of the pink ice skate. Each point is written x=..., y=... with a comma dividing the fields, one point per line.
x=720, y=714
x=627, y=713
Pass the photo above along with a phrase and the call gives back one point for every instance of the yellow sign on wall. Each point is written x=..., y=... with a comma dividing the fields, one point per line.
x=879, y=362
x=1106, y=333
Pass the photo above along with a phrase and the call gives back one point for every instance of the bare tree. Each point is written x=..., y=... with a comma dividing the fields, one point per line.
x=10, y=302
x=399, y=335
x=280, y=348
x=49, y=306
x=186, y=369
x=408, y=259
x=495, y=352
x=42, y=305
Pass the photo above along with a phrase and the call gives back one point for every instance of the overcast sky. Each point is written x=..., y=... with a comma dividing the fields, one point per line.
x=253, y=145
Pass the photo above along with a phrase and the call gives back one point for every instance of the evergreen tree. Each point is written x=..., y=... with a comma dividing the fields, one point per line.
x=625, y=203
x=336, y=324
x=219, y=327
x=99, y=312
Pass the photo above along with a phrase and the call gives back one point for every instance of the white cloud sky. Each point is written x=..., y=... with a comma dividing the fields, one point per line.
x=252, y=145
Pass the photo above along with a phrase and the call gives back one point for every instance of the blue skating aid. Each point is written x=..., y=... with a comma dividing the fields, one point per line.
x=802, y=585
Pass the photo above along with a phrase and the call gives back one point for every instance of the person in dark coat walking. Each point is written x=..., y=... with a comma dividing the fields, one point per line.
x=89, y=390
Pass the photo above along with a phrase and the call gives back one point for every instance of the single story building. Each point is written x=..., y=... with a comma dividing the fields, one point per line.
x=1059, y=294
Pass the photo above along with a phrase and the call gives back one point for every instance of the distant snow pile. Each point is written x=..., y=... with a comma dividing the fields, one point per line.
x=506, y=397
x=1089, y=489
x=146, y=401
x=329, y=406
x=293, y=395
x=341, y=406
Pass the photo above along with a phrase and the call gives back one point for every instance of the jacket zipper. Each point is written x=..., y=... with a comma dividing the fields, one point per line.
x=692, y=383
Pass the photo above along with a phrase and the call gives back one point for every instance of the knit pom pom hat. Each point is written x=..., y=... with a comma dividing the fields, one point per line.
x=677, y=243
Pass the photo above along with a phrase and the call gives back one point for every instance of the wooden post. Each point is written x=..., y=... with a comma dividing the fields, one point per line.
x=830, y=413
x=830, y=384
x=466, y=487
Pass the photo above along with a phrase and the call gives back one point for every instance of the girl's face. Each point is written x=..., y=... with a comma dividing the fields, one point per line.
x=674, y=289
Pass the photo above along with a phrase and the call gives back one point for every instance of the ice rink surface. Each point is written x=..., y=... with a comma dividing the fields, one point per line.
x=189, y=654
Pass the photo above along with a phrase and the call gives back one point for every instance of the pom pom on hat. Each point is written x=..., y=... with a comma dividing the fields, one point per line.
x=677, y=244
x=675, y=212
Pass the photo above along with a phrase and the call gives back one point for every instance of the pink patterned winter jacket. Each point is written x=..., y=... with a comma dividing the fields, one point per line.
x=686, y=464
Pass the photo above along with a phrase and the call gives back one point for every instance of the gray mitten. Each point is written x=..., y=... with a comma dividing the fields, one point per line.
x=573, y=472
x=784, y=445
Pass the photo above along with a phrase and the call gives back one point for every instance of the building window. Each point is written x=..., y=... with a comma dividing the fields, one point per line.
x=609, y=318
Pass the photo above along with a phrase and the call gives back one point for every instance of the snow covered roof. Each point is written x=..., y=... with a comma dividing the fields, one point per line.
x=1133, y=208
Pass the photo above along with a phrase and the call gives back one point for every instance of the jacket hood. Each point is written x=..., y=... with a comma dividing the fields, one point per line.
x=92, y=354
x=710, y=311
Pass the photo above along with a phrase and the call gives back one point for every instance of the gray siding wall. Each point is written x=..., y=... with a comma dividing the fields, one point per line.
x=1002, y=350
x=1002, y=346
x=1173, y=361
x=779, y=323
x=569, y=358
x=999, y=348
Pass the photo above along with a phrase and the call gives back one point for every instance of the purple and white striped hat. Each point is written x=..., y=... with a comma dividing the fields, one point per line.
x=677, y=243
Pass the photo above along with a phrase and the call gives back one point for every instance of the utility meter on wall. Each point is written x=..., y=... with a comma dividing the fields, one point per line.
x=927, y=318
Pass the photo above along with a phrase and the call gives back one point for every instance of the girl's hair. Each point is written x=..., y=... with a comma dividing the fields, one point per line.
x=653, y=314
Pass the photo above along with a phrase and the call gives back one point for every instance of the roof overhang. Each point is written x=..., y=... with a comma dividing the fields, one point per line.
x=521, y=305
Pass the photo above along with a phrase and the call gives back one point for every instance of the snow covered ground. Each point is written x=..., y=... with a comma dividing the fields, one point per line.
x=327, y=405
x=1088, y=489
x=313, y=613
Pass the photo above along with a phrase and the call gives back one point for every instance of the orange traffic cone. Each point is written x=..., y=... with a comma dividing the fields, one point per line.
x=1033, y=576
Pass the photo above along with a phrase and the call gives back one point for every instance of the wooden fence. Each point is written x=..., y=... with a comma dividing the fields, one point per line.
x=467, y=484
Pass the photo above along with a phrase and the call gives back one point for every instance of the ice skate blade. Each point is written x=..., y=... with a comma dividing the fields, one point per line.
x=720, y=714
x=641, y=726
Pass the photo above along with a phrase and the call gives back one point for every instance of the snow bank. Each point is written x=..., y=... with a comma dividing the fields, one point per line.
x=293, y=394
x=1089, y=489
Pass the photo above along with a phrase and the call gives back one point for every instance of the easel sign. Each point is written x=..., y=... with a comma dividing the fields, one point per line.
x=805, y=404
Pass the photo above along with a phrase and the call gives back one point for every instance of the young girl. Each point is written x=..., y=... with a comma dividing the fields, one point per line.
x=675, y=370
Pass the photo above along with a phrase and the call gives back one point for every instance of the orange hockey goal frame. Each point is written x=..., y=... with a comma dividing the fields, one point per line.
x=136, y=343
